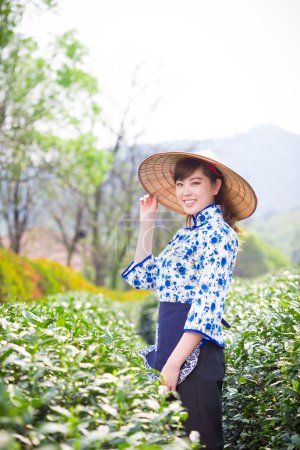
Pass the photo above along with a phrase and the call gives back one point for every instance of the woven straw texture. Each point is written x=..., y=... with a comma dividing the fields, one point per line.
x=155, y=176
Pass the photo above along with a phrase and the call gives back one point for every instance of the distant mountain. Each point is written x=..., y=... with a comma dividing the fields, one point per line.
x=266, y=156
x=269, y=158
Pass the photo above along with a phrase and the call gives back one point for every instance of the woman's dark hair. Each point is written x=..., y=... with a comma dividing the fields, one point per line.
x=186, y=166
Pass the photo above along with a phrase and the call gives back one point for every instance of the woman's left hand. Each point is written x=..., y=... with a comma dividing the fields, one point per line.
x=170, y=374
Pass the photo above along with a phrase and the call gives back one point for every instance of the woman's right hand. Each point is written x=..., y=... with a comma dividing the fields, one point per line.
x=148, y=207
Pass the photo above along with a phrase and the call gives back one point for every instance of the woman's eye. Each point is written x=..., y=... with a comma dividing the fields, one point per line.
x=180, y=184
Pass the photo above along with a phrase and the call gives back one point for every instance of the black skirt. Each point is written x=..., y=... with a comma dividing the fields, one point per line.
x=201, y=394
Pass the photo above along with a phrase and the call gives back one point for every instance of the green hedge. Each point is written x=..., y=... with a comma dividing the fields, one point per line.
x=67, y=360
x=262, y=384
x=72, y=379
x=261, y=387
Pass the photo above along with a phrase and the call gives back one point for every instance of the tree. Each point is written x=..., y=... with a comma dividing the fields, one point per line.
x=56, y=162
x=22, y=161
x=35, y=156
x=22, y=103
x=80, y=164
x=11, y=14
x=112, y=206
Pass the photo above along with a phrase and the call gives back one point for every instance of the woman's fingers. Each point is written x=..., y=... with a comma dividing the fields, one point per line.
x=169, y=386
x=147, y=198
x=144, y=198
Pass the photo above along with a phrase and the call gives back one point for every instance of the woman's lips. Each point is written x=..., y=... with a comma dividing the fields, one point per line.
x=189, y=203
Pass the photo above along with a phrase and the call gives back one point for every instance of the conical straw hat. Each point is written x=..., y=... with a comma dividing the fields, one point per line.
x=155, y=175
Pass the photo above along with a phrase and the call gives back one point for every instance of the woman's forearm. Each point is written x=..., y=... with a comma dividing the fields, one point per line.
x=184, y=348
x=144, y=244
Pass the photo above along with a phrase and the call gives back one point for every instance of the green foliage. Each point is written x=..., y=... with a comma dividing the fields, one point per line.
x=262, y=384
x=11, y=13
x=281, y=231
x=47, y=143
x=59, y=353
x=58, y=278
x=133, y=296
x=261, y=390
x=24, y=279
x=257, y=257
x=41, y=92
x=24, y=79
x=148, y=312
x=17, y=277
x=71, y=378
x=81, y=166
x=73, y=49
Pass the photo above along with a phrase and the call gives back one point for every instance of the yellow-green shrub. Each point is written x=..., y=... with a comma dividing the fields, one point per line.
x=24, y=279
x=126, y=296
x=17, y=277
x=57, y=278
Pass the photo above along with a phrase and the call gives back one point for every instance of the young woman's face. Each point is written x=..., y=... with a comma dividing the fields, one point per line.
x=196, y=191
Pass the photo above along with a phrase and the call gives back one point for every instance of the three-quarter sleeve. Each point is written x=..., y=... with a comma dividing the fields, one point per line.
x=142, y=275
x=212, y=286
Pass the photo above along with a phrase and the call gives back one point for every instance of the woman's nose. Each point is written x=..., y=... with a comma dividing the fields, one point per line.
x=186, y=191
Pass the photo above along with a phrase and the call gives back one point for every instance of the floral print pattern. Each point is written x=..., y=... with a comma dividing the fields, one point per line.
x=195, y=267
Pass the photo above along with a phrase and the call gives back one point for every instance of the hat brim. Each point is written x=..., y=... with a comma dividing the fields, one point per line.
x=154, y=175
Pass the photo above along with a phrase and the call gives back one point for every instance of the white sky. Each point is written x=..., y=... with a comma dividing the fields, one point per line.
x=219, y=67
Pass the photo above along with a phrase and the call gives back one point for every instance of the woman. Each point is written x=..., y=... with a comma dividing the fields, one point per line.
x=192, y=277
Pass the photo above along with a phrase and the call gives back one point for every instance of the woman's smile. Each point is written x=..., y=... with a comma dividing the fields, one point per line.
x=189, y=202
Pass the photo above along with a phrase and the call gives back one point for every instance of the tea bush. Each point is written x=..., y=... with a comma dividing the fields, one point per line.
x=261, y=386
x=71, y=379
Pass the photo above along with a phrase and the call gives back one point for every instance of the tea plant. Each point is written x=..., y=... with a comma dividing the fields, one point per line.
x=262, y=384
x=71, y=379
x=261, y=391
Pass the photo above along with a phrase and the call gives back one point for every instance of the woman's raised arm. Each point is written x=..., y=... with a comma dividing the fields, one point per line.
x=148, y=213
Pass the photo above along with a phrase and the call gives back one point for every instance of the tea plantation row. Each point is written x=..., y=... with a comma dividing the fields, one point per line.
x=261, y=389
x=71, y=379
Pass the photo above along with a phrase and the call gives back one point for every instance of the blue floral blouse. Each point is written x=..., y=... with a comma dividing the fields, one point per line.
x=196, y=268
